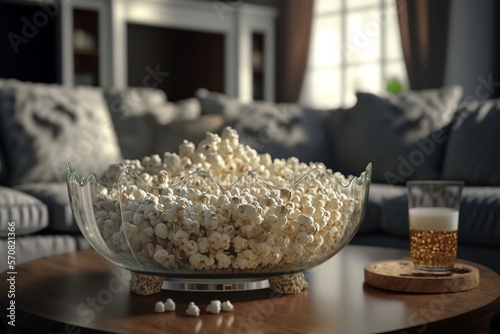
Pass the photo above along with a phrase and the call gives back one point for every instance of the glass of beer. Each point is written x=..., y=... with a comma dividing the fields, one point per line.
x=433, y=211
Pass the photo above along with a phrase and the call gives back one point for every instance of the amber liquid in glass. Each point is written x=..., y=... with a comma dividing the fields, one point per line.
x=433, y=249
x=433, y=237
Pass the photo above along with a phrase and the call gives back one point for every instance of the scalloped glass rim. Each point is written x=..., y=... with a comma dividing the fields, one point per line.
x=72, y=174
x=84, y=216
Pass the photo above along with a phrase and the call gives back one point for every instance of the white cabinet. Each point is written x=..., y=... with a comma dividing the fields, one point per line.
x=237, y=21
x=255, y=52
x=94, y=39
x=86, y=42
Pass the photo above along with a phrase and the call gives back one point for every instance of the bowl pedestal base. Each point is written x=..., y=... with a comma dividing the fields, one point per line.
x=144, y=284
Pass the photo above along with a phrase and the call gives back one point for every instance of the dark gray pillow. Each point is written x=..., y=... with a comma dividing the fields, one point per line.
x=472, y=153
x=47, y=125
x=403, y=135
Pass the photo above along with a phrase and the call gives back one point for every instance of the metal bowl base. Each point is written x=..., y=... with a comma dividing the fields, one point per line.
x=215, y=285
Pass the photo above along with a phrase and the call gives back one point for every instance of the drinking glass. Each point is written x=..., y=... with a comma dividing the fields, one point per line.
x=433, y=212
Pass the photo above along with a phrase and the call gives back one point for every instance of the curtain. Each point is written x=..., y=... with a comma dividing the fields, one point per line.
x=424, y=34
x=293, y=36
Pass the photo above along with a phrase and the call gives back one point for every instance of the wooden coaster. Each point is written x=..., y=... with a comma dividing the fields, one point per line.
x=402, y=276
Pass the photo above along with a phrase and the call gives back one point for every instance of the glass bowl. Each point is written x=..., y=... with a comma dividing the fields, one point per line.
x=202, y=228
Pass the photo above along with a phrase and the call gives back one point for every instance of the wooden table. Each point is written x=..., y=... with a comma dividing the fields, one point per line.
x=56, y=294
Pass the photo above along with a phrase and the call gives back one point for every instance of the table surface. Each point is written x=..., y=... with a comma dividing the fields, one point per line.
x=83, y=289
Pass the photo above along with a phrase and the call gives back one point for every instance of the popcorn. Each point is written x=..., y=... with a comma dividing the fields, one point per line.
x=173, y=219
x=223, y=260
x=214, y=307
x=227, y=306
x=169, y=305
x=159, y=307
x=164, y=258
x=160, y=231
x=219, y=241
x=193, y=310
x=189, y=247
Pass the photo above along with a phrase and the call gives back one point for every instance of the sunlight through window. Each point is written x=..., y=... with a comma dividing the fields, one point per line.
x=354, y=47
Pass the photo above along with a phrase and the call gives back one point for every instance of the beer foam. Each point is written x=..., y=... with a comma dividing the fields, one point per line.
x=436, y=219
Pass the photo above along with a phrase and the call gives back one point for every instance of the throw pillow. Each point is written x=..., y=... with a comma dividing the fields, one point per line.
x=218, y=104
x=403, y=135
x=472, y=150
x=47, y=125
x=139, y=101
x=134, y=101
x=282, y=130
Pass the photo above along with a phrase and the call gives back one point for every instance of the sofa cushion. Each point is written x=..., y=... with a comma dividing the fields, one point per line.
x=28, y=213
x=55, y=197
x=400, y=134
x=379, y=194
x=479, y=219
x=47, y=125
x=472, y=149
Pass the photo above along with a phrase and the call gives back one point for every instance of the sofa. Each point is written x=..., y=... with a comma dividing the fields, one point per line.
x=413, y=135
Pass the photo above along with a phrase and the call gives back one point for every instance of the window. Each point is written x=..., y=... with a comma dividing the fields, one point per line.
x=355, y=46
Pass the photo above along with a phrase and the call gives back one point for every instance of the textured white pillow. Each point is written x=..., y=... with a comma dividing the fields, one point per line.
x=47, y=125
